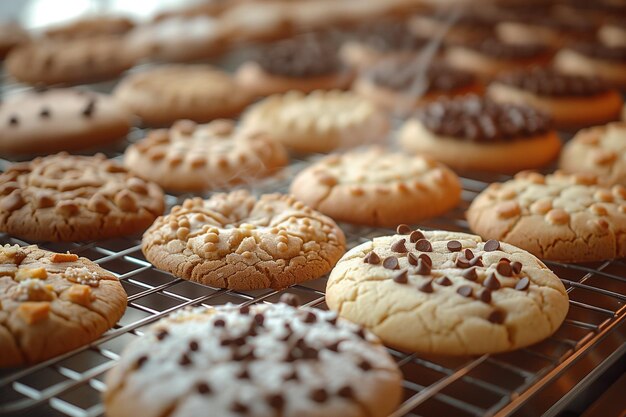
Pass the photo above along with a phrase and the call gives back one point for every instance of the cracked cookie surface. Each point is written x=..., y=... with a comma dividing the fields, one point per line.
x=237, y=241
x=599, y=150
x=377, y=187
x=266, y=360
x=73, y=198
x=447, y=293
x=190, y=157
x=560, y=217
x=52, y=303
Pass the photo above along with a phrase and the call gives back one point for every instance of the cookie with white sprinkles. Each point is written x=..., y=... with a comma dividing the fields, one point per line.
x=264, y=360
x=447, y=293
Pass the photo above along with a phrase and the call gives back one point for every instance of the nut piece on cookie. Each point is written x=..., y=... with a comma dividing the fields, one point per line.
x=447, y=293
x=238, y=241
x=561, y=217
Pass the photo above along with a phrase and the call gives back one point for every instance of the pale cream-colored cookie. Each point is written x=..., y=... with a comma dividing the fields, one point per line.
x=447, y=293
x=162, y=95
x=266, y=360
x=318, y=122
x=240, y=242
x=558, y=217
x=377, y=187
x=72, y=198
x=600, y=151
x=190, y=157
x=69, y=61
x=60, y=120
x=52, y=303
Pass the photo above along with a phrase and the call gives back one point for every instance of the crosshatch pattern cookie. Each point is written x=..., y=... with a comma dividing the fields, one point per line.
x=162, y=95
x=318, y=122
x=447, y=293
x=59, y=119
x=560, y=217
x=51, y=303
x=599, y=150
x=190, y=157
x=378, y=187
x=240, y=242
x=73, y=198
x=266, y=360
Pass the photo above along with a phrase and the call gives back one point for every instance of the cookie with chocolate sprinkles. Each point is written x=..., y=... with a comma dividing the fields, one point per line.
x=262, y=360
x=450, y=293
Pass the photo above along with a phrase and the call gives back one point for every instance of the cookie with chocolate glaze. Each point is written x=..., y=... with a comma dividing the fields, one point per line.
x=594, y=60
x=270, y=360
x=474, y=133
x=572, y=101
x=304, y=63
x=447, y=293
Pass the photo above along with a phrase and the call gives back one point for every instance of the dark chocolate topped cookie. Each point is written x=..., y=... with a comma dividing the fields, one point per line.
x=547, y=82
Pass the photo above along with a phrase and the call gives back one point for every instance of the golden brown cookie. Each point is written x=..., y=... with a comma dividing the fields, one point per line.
x=52, y=303
x=594, y=60
x=377, y=187
x=91, y=26
x=71, y=198
x=447, y=293
x=190, y=157
x=60, y=120
x=11, y=36
x=240, y=242
x=162, y=95
x=560, y=217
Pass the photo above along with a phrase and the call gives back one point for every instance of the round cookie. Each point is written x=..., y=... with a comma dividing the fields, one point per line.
x=470, y=25
x=74, y=198
x=162, y=95
x=190, y=157
x=304, y=63
x=377, y=187
x=401, y=84
x=59, y=119
x=447, y=293
x=240, y=242
x=91, y=26
x=572, y=101
x=11, y=36
x=594, y=60
x=560, y=217
x=265, y=360
x=69, y=61
x=473, y=133
x=52, y=303
x=600, y=151
x=318, y=122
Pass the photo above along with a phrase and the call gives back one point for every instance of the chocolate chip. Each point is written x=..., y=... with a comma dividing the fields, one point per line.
x=219, y=323
x=239, y=407
x=239, y=341
x=226, y=342
x=464, y=290
x=390, y=262
x=244, y=310
x=372, y=258
x=516, y=267
x=422, y=268
x=319, y=395
x=44, y=113
x=310, y=317
x=184, y=360
x=522, y=284
x=403, y=229
x=443, y=281
x=346, y=392
x=491, y=245
x=203, y=388
x=13, y=121
x=426, y=259
x=365, y=365
x=140, y=361
x=89, y=108
x=415, y=236
x=496, y=317
x=423, y=245
x=360, y=333
x=507, y=260
x=290, y=299
x=333, y=347
x=412, y=259
x=399, y=246
x=504, y=269
x=332, y=320
x=477, y=261
x=454, y=246
x=293, y=376
x=492, y=282
x=162, y=334
x=310, y=353
x=243, y=374
x=259, y=319
x=485, y=296
x=470, y=274
x=426, y=286
x=276, y=401
x=193, y=346
x=468, y=254
x=402, y=277
x=461, y=262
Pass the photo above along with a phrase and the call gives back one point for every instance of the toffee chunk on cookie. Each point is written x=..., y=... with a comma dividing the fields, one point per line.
x=559, y=217
x=270, y=360
x=240, y=242
x=73, y=198
x=463, y=296
x=52, y=303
